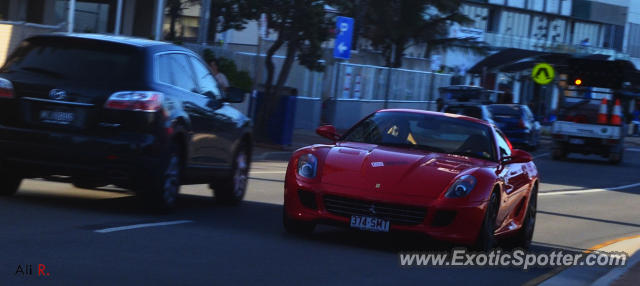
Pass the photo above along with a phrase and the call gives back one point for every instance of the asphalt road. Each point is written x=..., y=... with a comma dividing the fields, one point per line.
x=55, y=225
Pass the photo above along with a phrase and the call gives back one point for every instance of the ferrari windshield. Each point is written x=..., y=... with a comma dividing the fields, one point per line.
x=426, y=132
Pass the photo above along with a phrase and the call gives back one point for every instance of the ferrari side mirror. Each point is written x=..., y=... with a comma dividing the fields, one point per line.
x=329, y=132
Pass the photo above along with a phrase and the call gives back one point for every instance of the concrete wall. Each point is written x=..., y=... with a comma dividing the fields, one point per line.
x=308, y=112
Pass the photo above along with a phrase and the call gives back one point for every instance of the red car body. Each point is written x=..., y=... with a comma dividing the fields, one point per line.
x=410, y=188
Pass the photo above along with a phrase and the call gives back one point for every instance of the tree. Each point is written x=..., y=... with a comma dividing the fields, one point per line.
x=227, y=15
x=401, y=23
x=302, y=27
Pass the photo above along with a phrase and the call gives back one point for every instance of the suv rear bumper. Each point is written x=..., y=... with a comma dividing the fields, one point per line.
x=125, y=159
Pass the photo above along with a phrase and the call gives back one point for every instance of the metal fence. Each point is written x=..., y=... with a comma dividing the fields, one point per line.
x=367, y=82
x=346, y=81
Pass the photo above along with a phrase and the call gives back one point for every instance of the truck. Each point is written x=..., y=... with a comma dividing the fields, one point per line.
x=590, y=118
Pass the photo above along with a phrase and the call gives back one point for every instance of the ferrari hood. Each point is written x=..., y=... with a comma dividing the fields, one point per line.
x=392, y=170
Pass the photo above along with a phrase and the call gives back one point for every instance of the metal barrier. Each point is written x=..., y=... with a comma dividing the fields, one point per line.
x=374, y=82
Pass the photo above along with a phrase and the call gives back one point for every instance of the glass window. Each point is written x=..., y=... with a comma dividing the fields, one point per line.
x=69, y=59
x=425, y=132
x=183, y=76
x=205, y=80
x=472, y=111
x=503, y=144
x=164, y=69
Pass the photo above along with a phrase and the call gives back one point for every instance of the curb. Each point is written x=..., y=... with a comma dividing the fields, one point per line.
x=577, y=275
x=616, y=273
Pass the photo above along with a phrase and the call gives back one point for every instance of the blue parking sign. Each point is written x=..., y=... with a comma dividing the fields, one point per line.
x=344, y=34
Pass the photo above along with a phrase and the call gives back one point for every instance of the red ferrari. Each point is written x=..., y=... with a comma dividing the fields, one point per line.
x=452, y=177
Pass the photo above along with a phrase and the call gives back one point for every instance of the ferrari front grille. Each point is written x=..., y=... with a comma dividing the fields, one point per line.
x=396, y=213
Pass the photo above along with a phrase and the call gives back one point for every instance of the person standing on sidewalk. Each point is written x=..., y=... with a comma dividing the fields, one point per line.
x=221, y=79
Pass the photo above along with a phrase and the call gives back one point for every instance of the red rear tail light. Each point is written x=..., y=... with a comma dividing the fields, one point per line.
x=521, y=124
x=6, y=88
x=146, y=101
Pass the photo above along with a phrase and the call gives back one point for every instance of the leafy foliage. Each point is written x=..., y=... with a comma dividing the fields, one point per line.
x=302, y=27
x=227, y=15
x=401, y=23
x=237, y=78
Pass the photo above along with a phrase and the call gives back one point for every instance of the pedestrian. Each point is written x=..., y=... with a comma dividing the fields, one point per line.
x=221, y=79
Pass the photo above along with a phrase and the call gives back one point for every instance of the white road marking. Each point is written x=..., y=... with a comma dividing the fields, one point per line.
x=134, y=226
x=541, y=155
x=633, y=149
x=590, y=190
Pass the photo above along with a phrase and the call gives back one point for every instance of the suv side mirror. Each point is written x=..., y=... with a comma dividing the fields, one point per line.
x=234, y=95
x=329, y=132
x=519, y=156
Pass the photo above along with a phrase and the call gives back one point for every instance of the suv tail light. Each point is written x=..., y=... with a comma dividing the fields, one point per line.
x=146, y=101
x=6, y=88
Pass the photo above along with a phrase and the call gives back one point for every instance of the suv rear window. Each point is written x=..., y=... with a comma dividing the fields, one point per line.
x=78, y=60
x=506, y=110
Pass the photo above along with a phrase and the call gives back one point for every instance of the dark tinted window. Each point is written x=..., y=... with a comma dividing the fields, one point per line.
x=472, y=111
x=421, y=131
x=506, y=110
x=72, y=59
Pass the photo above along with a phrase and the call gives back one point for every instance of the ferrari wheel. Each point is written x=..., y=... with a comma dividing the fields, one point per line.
x=524, y=236
x=486, y=237
x=295, y=226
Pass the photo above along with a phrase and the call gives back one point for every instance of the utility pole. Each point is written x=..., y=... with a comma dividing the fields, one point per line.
x=389, y=70
x=262, y=33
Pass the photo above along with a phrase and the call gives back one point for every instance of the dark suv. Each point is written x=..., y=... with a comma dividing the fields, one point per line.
x=96, y=110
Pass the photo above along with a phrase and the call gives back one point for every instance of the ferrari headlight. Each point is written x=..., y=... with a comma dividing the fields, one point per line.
x=307, y=166
x=461, y=187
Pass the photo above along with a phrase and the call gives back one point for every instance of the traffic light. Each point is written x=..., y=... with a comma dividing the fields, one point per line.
x=598, y=73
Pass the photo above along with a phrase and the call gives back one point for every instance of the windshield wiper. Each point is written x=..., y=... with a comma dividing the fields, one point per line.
x=43, y=71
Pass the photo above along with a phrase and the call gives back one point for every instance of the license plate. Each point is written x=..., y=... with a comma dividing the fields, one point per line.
x=576, y=141
x=57, y=117
x=369, y=223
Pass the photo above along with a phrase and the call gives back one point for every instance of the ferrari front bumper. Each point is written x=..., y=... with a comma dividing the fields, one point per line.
x=442, y=219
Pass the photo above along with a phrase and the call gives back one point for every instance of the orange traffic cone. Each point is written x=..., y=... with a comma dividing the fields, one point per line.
x=616, y=116
x=602, y=114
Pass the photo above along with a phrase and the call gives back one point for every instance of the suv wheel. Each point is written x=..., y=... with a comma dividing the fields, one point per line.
x=163, y=191
x=9, y=182
x=231, y=190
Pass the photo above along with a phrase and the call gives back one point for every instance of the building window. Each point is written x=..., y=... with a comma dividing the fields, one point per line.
x=4, y=10
x=493, y=21
x=633, y=41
